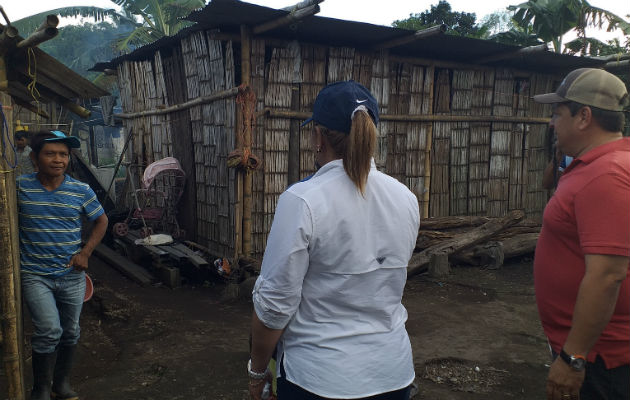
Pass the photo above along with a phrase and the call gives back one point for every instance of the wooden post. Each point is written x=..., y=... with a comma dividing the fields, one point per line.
x=439, y=266
x=430, y=74
x=294, y=138
x=10, y=293
x=246, y=45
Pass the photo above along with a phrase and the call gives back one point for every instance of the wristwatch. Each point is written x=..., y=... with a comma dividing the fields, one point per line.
x=575, y=361
x=256, y=375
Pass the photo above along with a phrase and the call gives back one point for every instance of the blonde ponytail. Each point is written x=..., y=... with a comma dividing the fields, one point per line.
x=356, y=148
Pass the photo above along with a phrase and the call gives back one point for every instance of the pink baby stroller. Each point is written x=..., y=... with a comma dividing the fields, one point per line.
x=156, y=202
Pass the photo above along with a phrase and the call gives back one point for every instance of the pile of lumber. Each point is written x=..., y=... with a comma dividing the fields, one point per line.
x=481, y=241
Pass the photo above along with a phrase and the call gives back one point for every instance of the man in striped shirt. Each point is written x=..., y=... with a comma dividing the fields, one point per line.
x=53, y=263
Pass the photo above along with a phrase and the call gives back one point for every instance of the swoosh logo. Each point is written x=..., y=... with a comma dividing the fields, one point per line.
x=361, y=101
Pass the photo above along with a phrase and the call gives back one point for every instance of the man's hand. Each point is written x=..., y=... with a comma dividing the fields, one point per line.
x=563, y=382
x=79, y=261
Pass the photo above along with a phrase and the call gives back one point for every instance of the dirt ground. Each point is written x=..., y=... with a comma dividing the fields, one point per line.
x=475, y=335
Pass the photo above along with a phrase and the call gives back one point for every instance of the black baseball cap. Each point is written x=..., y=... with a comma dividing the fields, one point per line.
x=336, y=103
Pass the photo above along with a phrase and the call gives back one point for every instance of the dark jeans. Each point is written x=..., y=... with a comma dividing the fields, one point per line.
x=291, y=391
x=604, y=384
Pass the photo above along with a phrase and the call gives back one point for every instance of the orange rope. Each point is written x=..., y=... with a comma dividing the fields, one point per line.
x=243, y=157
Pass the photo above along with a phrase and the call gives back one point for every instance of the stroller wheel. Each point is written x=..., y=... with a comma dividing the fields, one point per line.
x=120, y=229
x=146, y=231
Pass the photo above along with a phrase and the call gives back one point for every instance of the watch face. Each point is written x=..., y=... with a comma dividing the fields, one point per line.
x=578, y=364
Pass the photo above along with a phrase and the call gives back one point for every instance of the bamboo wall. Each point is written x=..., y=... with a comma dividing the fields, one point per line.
x=467, y=168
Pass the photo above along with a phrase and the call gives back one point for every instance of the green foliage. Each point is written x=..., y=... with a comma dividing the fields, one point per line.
x=458, y=23
x=29, y=24
x=551, y=19
x=159, y=18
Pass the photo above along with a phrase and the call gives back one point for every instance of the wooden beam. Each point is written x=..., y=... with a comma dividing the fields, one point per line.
x=541, y=48
x=294, y=16
x=269, y=112
x=183, y=106
x=246, y=51
x=417, y=35
x=419, y=261
x=76, y=109
x=31, y=108
x=123, y=265
x=614, y=65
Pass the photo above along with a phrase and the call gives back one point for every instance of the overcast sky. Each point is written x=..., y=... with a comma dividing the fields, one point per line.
x=381, y=12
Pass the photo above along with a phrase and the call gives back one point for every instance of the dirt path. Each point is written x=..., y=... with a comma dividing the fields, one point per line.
x=475, y=335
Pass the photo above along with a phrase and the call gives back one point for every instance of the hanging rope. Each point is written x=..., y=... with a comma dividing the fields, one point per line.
x=32, y=86
x=243, y=157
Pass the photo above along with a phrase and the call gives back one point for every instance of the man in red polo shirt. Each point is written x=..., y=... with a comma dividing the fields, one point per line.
x=581, y=269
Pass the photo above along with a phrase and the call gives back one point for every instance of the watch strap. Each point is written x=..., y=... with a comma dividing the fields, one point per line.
x=568, y=359
x=255, y=375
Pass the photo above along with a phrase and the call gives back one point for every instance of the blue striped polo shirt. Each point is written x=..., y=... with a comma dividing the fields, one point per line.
x=50, y=223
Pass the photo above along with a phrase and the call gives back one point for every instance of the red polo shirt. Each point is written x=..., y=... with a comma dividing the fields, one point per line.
x=588, y=214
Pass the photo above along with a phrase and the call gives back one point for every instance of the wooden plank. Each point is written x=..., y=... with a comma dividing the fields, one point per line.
x=463, y=241
x=128, y=268
x=193, y=257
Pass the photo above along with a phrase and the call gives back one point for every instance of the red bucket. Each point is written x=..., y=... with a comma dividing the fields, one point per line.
x=89, y=288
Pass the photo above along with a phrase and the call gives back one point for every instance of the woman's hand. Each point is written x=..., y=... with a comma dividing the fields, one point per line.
x=257, y=387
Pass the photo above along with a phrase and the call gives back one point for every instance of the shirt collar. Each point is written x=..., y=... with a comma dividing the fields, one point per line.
x=595, y=153
x=337, y=164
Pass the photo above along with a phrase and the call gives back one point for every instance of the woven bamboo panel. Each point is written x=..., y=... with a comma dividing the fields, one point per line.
x=313, y=80
x=340, y=64
x=191, y=73
x=380, y=90
x=399, y=101
x=537, y=143
x=276, y=140
x=499, y=174
x=259, y=234
x=479, y=156
x=460, y=142
x=518, y=158
x=440, y=161
x=362, y=70
x=416, y=138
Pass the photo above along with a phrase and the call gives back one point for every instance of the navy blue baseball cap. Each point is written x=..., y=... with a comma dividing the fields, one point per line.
x=71, y=141
x=336, y=103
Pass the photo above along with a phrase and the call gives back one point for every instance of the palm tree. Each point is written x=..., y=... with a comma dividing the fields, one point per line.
x=551, y=19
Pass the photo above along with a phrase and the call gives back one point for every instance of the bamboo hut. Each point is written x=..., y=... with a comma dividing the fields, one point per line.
x=458, y=126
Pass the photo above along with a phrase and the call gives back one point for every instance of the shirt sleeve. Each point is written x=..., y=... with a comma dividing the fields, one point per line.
x=91, y=207
x=602, y=211
x=278, y=290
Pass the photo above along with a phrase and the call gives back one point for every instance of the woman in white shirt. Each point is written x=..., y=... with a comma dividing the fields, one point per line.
x=328, y=298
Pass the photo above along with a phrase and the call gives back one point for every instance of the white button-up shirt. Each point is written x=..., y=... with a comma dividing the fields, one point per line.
x=333, y=275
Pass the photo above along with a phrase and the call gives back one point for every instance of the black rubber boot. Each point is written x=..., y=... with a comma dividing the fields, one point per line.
x=43, y=365
x=61, y=389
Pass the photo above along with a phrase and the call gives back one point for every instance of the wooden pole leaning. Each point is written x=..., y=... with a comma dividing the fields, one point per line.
x=246, y=45
x=10, y=293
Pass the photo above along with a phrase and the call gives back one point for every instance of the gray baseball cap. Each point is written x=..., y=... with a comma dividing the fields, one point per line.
x=591, y=87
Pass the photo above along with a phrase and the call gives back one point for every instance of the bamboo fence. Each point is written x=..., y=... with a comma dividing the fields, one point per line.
x=466, y=141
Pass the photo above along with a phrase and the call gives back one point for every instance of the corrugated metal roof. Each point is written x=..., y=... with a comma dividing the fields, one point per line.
x=228, y=15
